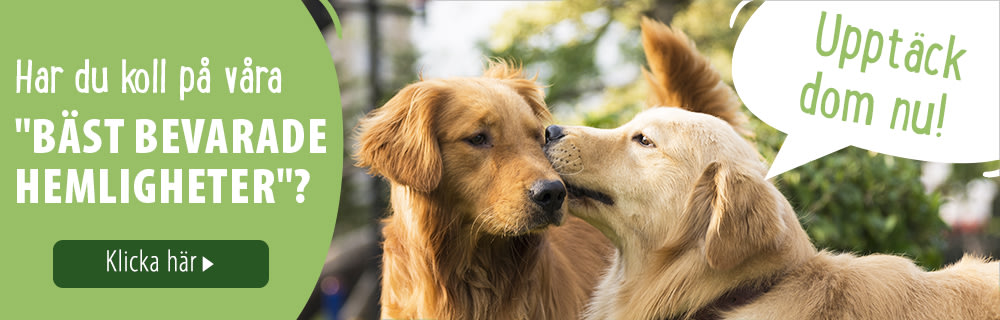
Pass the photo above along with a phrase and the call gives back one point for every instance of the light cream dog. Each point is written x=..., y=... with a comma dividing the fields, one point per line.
x=702, y=235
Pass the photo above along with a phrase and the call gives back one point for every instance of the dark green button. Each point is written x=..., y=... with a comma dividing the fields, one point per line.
x=160, y=264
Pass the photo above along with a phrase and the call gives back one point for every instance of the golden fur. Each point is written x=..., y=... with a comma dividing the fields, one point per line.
x=464, y=240
x=693, y=218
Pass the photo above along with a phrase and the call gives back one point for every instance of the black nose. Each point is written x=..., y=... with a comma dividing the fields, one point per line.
x=548, y=194
x=553, y=133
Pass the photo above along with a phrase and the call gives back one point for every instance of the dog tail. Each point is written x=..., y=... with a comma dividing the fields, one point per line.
x=679, y=76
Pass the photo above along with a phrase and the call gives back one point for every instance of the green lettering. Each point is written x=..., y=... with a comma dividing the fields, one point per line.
x=952, y=60
x=927, y=60
x=819, y=36
x=895, y=112
x=836, y=103
x=916, y=51
x=867, y=58
x=926, y=129
x=814, y=86
x=858, y=97
x=844, y=55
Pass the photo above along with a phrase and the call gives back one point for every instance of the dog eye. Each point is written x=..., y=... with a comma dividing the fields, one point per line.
x=643, y=140
x=478, y=140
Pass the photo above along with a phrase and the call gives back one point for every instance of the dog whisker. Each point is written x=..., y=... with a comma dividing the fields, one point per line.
x=481, y=219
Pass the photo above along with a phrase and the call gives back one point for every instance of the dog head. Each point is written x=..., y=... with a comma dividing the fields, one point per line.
x=670, y=176
x=680, y=176
x=475, y=143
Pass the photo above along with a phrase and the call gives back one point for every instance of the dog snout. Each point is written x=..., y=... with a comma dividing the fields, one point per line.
x=548, y=194
x=553, y=133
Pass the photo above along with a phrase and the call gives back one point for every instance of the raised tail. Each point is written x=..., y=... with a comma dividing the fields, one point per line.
x=680, y=76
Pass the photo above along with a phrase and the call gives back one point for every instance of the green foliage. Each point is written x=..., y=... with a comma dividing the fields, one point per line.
x=852, y=200
x=559, y=39
x=962, y=173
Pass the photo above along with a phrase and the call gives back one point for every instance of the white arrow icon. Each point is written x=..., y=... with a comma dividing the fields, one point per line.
x=205, y=264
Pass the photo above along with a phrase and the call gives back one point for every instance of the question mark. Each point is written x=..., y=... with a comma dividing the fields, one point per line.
x=304, y=175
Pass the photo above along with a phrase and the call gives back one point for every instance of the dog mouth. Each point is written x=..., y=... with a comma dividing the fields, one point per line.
x=584, y=193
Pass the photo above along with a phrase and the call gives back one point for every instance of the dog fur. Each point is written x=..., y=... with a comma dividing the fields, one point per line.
x=464, y=241
x=692, y=217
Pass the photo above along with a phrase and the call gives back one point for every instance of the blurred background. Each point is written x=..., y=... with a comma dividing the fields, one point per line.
x=590, y=54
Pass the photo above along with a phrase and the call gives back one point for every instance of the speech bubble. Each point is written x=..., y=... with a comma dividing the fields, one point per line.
x=916, y=80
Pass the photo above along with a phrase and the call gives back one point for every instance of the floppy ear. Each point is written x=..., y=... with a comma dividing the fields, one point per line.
x=744, y=214
x=398, y=142
x=513, y=76
x=533, y=95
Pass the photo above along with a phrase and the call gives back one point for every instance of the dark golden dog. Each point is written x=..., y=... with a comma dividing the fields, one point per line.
x=472, y=198
x=702, y=235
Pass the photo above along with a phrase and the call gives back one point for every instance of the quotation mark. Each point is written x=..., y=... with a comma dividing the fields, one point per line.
x=24, y=124
x=18, y=127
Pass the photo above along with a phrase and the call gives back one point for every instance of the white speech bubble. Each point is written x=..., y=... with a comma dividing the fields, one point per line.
x=778, y=53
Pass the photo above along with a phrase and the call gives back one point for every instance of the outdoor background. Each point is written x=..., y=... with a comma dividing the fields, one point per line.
x=590, y=53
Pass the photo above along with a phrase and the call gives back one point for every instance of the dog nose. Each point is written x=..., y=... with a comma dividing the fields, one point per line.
x=548, y=194
x=553, y=133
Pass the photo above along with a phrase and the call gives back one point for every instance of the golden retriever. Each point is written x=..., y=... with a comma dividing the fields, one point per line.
x=472, y=197
x=699, y=232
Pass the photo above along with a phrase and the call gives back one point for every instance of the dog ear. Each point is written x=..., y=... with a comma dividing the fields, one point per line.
x=533, y=95
x=743, y=214
x=513, y=76
x=397, y=141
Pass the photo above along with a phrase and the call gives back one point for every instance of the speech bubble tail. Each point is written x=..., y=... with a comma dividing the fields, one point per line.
x=992, y=174
x=798, y=150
